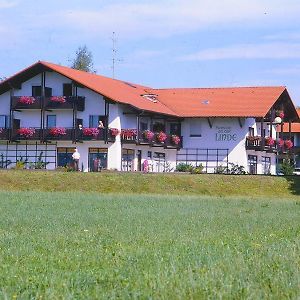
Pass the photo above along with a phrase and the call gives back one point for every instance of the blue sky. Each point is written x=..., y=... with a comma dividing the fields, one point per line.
x=166, y=43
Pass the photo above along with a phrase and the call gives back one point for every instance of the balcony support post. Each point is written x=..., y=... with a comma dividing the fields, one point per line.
x=290, y=129
x=11, y=115
x=262, y=145
x=43, y=89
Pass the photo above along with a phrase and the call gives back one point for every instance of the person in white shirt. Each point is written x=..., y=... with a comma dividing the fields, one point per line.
x=76, y=157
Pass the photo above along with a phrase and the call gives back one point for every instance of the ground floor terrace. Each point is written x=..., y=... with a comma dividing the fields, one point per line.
x=96, y=156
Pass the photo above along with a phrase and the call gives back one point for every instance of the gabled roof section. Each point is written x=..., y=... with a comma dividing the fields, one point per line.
x=220, y=102
x=184, y=102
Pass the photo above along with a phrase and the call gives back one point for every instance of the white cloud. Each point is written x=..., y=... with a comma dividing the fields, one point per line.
x=165, y=18
x=248, y=51
x=7, y=4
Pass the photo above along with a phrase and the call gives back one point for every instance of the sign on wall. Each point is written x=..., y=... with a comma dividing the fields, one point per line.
x=225, y=134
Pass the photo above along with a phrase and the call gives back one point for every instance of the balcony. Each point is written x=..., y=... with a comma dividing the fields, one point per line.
x=4, y=134
x=96, y=134
x=58, y=134
x=147, y=137
x=26, y=133
x=61, y=102
x=258, y=143
x=26, y=102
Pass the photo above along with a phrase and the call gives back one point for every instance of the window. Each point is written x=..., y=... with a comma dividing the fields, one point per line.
x=175, y=128
x=95, y=119
x=252, y=164
x=64, y=156
x=149, y=155
x=51, y=121
x=266, y=165
x=195, y=128
x=251, y=131
x=159, y=162
x=158, y=126
x=36, y=91
x=143, y=125
x=97, y=159
x=127, y=159
x=67, y=89
x=3, y=121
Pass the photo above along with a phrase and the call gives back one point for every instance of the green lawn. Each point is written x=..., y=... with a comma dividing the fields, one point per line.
x=137, y=183
x=56, y=245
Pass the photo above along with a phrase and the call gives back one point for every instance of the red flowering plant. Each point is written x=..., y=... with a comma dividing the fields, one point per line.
x=58, y=99
x=26, y=100
x=57, y=131
x=114, y=131
x=288, y=144
x=26, y=132
x=280, y=113
x=269, y=141
x=128, y=134
x=161, y=136
x=280, y=143
x=148, y=135
x=90, y=132
x=175, y=139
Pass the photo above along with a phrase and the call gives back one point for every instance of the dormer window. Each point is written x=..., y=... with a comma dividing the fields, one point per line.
x=150, y=97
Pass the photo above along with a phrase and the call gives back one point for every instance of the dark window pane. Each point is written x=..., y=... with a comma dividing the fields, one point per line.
x=36, y=91
x=67, y=89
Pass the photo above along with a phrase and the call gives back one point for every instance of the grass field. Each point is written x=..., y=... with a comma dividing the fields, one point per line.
x=139, y=183
x=56, y=245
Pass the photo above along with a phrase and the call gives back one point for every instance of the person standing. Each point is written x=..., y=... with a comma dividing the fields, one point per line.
x=76, y=157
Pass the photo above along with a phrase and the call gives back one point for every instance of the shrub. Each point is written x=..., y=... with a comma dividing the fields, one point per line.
x=286, y=167
x=197, y=170
x=182, y=167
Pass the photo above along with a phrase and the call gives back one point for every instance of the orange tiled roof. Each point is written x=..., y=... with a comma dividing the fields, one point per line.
x=221, y=102
x=186, y=102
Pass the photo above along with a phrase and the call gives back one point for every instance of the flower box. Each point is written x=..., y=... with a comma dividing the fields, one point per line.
x=27, y=100
x=148, y=135
x=58, y=99
x=175, y=139
x=26, y=132
x=161, y=137
x=269, y=141
x=114, y=131
x=128, y=133
x=57, y=131
x=94, y=132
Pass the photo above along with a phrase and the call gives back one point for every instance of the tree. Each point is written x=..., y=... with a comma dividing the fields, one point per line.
x=83, y=60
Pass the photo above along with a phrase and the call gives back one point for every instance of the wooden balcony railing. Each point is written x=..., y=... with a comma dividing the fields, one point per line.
x=26, y=133
x=58, y=134
x=258, y=143
x=55, y=102
x=26, y=102
x=60, y=102
x=132, y=136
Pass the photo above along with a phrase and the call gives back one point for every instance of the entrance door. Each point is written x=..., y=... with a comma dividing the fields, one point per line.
x=97, y=159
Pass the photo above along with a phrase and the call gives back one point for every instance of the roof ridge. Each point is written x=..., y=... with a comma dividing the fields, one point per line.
x=220, y=88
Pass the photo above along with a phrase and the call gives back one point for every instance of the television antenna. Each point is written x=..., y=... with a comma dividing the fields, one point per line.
x=114, y=54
